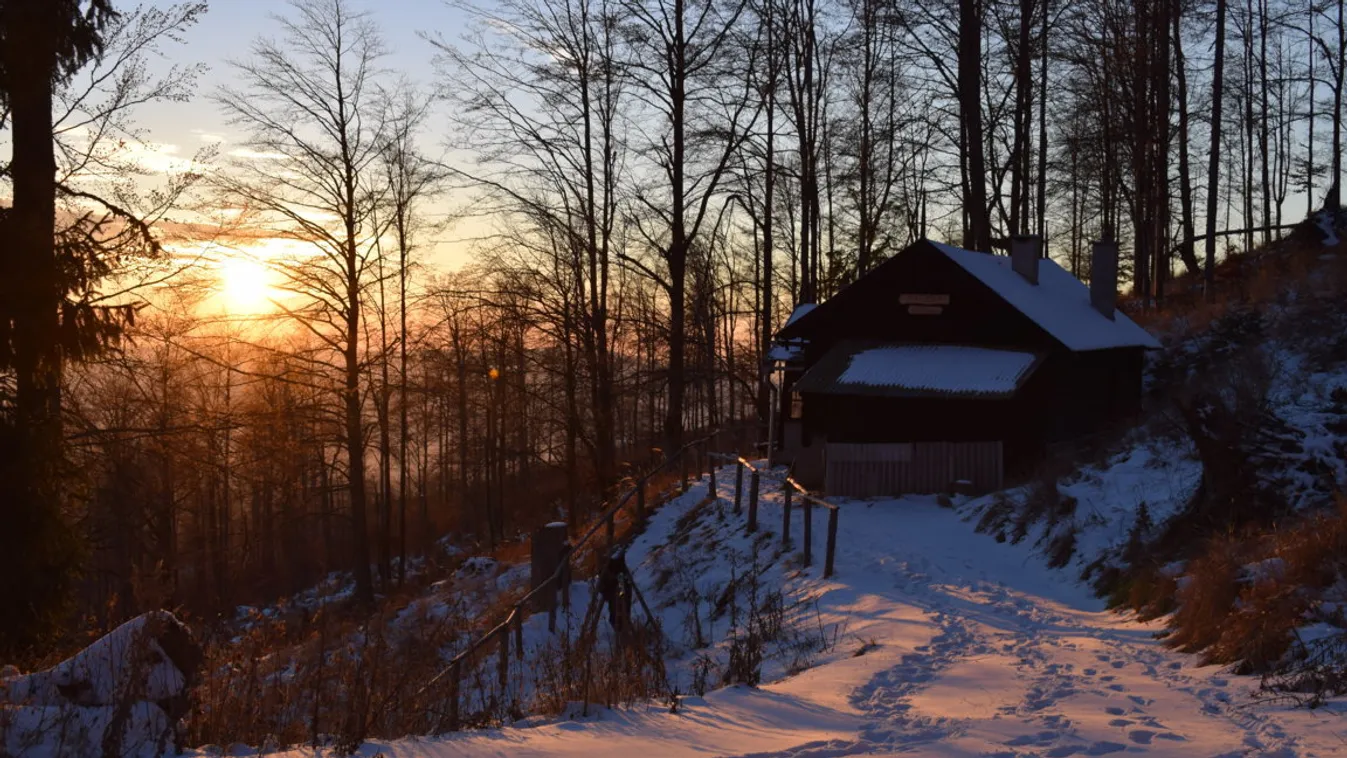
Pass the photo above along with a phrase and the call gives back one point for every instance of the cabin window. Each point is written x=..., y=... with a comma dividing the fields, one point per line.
x=796, y=406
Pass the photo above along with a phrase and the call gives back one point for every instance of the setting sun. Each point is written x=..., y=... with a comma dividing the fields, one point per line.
x=245, y=286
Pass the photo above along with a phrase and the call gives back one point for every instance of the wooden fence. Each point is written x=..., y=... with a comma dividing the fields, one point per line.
x=790, y=490
x=869, y=470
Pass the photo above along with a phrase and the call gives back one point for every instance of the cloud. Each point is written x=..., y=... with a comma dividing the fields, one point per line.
x=210, y=138
x=247, y=153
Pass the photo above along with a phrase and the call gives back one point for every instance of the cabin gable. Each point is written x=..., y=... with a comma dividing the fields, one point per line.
x=918, y=296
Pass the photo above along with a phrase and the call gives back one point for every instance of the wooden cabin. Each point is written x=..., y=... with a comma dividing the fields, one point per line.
x=945, y=368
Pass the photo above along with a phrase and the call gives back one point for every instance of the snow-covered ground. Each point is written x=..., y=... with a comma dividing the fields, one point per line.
x=948, y=644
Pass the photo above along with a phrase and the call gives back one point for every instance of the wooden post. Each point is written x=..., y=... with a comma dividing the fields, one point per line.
x=455, y=675
x=518, y=634
x=753, y=502
x=566, y=581
x=738, y=485
x=711, y=478
x=504, y=668
x=832, y=543
x=808, y=531
x=786, y=492
x=552, y=618
x=547, y=550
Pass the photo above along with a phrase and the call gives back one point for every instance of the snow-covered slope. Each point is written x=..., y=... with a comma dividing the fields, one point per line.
x=947, y=643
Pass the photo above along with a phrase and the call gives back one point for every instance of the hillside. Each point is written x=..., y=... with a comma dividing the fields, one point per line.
x=1077, y=613
x=947, y=642
x=1221, y=510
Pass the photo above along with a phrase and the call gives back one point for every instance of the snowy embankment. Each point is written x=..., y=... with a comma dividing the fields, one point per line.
x=120, y=696
x=942, y=642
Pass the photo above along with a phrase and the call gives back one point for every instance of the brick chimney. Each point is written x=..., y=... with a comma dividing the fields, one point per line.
x=1104, y=278
x=1025, y=250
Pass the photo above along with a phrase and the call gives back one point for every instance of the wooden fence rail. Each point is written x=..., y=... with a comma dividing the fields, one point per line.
x=692, y=454
x=789, y=489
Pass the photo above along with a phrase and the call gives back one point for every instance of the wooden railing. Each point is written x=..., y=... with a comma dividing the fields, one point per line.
x=695, y=455
x=789, y=490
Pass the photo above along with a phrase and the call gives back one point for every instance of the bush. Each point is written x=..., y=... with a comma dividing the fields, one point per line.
x=1243, y=599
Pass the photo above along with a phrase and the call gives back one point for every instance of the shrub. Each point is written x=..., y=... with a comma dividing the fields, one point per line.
x=1206, y=596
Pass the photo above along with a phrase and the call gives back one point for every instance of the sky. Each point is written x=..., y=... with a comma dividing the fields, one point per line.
x=227, y=32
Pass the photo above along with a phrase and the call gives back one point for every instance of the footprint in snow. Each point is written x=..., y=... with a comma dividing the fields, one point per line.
x=1141, y=736
x=1139, y=700
x=1038, y=740
x=1098, y=748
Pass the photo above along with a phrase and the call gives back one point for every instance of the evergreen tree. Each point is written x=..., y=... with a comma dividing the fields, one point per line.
x=42, y=43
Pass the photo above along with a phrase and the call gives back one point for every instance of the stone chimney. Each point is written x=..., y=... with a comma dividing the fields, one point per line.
x=1104, y=278
x=1025, y=250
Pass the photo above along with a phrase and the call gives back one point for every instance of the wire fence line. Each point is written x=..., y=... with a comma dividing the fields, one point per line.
x=631, y=509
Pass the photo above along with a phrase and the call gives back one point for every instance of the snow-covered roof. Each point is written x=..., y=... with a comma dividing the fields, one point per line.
x=780, y=352
x=800, y=312
x=939, y=368
x=863, y=367
x=1059, y=303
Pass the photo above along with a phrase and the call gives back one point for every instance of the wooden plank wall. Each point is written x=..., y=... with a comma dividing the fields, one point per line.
x=869, y=470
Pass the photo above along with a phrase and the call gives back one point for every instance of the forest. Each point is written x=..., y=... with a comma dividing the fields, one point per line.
x=225, y=376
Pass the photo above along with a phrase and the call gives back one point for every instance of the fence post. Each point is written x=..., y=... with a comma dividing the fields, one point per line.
x=832, y=543
x=566, y=581
x=786, y=492
x=738, y=485
x=547, y=550
x=504, y=668
x=711, y=477
x=808, y=531
x=455, y=675
x=753, y=502
x=518, y=634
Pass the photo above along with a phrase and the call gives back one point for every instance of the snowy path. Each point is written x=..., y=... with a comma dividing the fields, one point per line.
x=981, y=651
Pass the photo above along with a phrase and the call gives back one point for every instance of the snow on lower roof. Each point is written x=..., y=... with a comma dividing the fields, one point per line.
x=1059, y=303
x=939, y=368
x=800, y=311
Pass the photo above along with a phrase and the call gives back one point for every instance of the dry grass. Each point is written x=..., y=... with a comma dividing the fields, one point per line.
x=342, y=677
x=1243, y=598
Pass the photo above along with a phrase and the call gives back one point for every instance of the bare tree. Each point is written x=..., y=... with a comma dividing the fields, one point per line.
x=698, y=121
x=317, y=131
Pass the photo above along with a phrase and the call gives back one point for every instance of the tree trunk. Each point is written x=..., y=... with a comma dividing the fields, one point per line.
x=978, y=236
x=1214, y=162
x=1186, y=250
